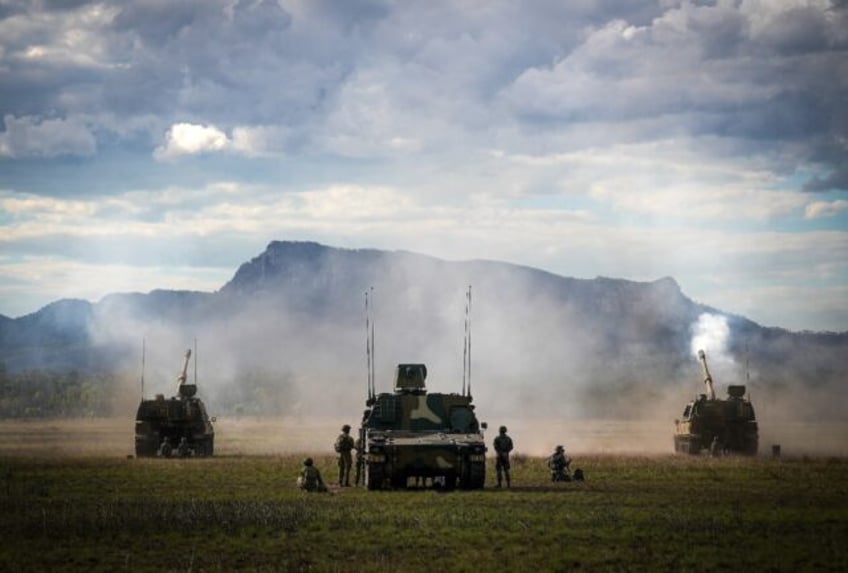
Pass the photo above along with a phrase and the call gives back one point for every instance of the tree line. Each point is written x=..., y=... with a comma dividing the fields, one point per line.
x=47, y=393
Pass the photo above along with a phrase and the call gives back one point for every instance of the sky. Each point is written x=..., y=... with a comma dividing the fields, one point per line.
x=157, y=144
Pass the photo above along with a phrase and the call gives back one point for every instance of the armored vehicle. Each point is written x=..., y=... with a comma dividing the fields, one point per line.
x=174, y=426
x=415, y=434
x=720, y=426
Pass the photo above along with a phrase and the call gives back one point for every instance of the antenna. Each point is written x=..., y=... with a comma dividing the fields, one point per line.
x=143, y=351
x=369, y=346
x=465, y=348
x=373, y=351
x=469, y=341
x=466, y=351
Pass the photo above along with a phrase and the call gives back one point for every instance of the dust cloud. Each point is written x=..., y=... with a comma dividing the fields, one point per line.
x=585, y=370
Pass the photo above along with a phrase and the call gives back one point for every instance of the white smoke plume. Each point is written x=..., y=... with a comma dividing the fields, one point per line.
x=711, y=334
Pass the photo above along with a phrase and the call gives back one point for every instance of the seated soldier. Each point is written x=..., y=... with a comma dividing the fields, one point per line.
x=559, y=465
x=310, y=477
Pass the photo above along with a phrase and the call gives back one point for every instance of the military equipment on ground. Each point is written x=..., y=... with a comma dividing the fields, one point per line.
x=162, y=424
x=716, y=425
x=413, y=434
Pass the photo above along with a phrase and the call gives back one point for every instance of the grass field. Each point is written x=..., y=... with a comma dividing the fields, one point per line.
x=72, y=500
x=634, y=513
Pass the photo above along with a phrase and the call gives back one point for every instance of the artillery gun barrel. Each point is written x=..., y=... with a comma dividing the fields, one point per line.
x=184, y=372
x=708, y=379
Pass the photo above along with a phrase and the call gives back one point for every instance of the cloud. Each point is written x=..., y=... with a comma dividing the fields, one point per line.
x=38, y=137
x=189, y=139
x=823, y=209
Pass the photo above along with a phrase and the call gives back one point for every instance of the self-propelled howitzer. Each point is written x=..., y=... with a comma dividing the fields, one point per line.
x=411, y=433
x=721, y=426
x=177, y=425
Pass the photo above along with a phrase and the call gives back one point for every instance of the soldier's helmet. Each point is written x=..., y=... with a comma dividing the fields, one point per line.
x=560, y=449
x=346, y=428
x=307, y=462
x=503, y=430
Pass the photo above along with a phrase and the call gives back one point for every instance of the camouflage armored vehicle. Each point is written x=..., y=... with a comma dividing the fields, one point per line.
x=415, y=434
x=174, y=426
x=719, y=426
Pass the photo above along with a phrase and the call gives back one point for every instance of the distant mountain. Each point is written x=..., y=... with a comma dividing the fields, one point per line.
x=539, y=339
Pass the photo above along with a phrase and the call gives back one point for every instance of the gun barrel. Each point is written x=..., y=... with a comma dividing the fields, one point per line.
x=708, y=379
x=184, y=372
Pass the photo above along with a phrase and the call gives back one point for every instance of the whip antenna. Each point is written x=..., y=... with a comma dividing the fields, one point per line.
x=367, y=348
x=369, y=345
x=143, y=351
x=468, y=338
x=373, y=352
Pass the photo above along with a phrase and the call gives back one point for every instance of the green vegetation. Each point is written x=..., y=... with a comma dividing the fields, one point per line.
x=244, y=513
x=50, y=394
x=55, y=394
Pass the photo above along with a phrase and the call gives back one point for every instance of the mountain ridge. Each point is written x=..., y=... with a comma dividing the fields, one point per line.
x=298, y=308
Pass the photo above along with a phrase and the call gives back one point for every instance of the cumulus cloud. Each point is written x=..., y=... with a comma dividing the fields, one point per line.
x=189, y=139
x=582, y=137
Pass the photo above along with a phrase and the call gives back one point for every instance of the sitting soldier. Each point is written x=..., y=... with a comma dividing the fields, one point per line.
x=310, y=477
x=559, y=464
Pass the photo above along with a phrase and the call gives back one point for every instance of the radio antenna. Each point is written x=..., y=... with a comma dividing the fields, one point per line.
x=369, y=344
x=466, y=353
x=373, y=351
x=143, y=351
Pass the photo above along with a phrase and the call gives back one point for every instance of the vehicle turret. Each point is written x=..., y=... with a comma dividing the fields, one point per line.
x=409, y=379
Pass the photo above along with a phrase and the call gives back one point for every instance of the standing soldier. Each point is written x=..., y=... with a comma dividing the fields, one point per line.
x=503, y=445
x=360, y=461
x=183, y=449
x=344, y=446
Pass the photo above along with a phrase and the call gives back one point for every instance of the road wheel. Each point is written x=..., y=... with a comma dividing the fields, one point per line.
x=374, y=476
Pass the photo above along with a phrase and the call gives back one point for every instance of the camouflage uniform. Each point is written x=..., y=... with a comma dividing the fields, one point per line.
x=503, y=445
x=360, y=461
x=310, y=477
x=183, y=450
x=344, y=446
x=166, y=448
x=558, y=464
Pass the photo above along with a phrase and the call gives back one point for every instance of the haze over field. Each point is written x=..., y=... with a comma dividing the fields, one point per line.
x=604, y=364
x=151, y=145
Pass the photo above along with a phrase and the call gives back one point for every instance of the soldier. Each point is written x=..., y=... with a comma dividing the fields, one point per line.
x=310, y=477
x=183, y=449
x=360, y=461
x=559, y=465
x=344, y=445
x=715, y=447
x=166, y=448
x=503, y=445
